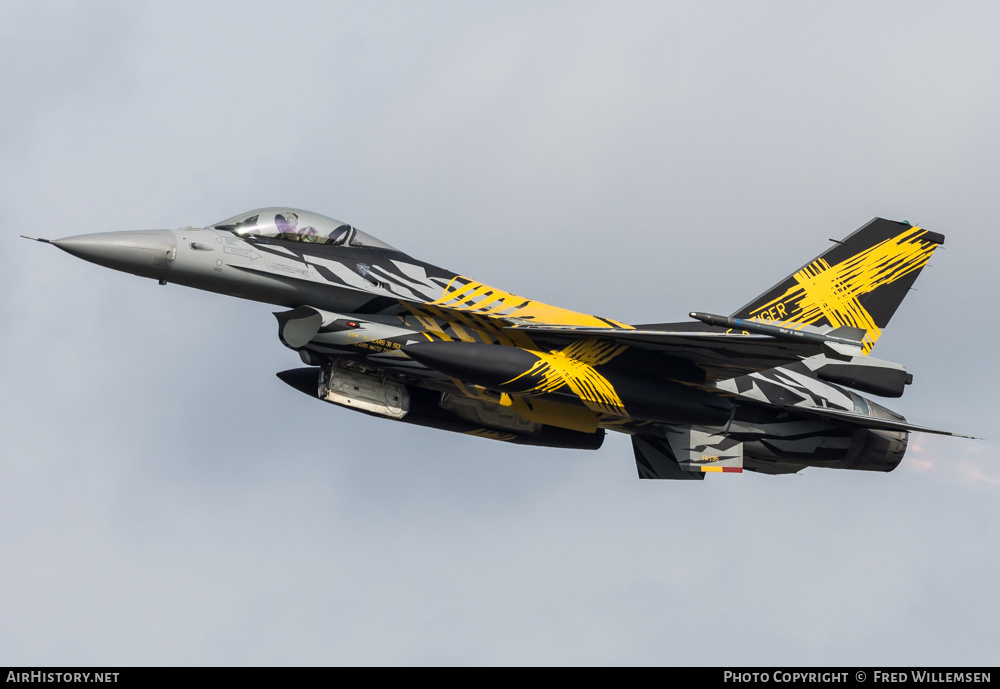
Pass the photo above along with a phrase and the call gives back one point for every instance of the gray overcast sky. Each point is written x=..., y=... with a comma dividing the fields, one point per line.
x=164, y=499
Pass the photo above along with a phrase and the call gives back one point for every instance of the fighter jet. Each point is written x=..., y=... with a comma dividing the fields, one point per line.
x=770, y=388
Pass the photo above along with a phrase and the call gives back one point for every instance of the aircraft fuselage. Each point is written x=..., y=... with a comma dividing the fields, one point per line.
x=389, y=335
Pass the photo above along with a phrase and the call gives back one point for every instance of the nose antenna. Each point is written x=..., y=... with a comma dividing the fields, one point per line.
x=37, y=239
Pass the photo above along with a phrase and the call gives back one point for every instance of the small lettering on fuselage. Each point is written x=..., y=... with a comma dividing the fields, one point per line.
x=775, y=313
x=379, y=345
x=710, y=458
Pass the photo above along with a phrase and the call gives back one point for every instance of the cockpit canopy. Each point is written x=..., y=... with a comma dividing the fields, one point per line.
x=297, y=225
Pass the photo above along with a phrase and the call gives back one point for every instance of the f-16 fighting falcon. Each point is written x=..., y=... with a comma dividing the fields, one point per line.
x=769, y=388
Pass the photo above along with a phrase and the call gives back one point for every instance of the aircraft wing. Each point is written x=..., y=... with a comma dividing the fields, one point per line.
x=873, y=422
x=721, y=354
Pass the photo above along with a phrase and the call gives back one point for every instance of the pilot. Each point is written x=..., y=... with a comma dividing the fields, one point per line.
x=287, y=223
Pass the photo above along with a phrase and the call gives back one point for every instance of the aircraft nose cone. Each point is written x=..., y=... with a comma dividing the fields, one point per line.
x=148, y=253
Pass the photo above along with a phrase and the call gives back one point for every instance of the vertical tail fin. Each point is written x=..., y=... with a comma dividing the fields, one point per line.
x=858, y=283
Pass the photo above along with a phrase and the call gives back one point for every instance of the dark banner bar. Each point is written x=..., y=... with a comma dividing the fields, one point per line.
x=779, y=676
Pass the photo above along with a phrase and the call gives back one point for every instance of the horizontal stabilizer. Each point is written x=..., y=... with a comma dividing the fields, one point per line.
x=873, y=422
x=865, y=373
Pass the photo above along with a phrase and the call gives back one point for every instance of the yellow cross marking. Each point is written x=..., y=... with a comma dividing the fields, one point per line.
x=833, y=292
x=573, y=367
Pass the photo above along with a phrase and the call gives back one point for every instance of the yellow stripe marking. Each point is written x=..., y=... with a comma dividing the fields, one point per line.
x=573, y=367
x=833, y=292
x=506, y=304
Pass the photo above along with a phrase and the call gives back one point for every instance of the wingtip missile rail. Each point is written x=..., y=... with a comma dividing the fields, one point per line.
x=854, y=336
